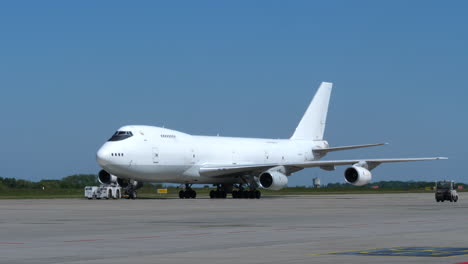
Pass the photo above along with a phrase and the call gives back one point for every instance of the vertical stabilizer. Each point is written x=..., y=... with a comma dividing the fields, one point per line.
x=312, y=125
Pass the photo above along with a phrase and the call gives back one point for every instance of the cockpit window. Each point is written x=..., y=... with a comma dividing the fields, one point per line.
x=121, y=135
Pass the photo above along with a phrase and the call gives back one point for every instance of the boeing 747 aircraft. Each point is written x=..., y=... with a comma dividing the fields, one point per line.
x=237, y=166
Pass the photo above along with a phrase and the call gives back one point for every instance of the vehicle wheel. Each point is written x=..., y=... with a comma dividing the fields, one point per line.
x=212, y=194
x=90, y=198
x=234, y=194
x=109, y=194
x=193, y=194
x=258, y=194
x=223, y=194
x=442, y=200
x=187, y=194
x=117, y=195
x=245, y=194
x=181, y=194
x=134, y=195
x=437, y=200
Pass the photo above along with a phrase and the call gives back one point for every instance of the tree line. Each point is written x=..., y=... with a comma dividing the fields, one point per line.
x=81, y=180
x=69, y=182
x=406, y=185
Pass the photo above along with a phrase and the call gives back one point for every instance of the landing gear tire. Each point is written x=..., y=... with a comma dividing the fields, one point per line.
x=133, y=195
x=212, y=194
x=188, y=193
x=258, y=194
x=242, y=194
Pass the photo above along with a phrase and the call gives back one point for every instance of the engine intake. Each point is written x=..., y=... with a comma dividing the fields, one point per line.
x=357, y=176
x=273, y=180
x=105, y=178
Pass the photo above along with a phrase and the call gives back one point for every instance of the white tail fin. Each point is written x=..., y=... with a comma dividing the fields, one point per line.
x=312, y=125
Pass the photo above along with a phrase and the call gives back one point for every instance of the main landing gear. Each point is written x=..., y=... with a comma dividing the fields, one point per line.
x=218, y=194
x=246, y=194
x=222, y=191
x=251, y=193
x=188, y=193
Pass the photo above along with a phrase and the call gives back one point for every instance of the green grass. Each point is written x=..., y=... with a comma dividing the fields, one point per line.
x=150, y=192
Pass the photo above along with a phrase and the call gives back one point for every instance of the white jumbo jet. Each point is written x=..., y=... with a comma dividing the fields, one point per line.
x=136, y=154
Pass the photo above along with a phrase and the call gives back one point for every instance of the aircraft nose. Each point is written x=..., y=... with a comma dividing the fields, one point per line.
x=102, y=156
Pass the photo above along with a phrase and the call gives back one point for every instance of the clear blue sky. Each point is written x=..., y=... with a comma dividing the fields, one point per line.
x=72, y=72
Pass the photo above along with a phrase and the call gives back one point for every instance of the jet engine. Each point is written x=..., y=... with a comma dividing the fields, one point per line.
x=357, y=176
x=273, y=180
x=105, y=178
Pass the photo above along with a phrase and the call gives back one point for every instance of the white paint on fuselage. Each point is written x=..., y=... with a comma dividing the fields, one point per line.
x=155, y=154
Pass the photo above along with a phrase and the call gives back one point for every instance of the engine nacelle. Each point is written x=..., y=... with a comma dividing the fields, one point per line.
x=273, y=180
x=105, y=178
x=357, y=176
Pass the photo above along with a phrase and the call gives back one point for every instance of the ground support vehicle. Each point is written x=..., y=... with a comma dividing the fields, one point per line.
x=91, y=192
x=109, y=191
x=445, y=191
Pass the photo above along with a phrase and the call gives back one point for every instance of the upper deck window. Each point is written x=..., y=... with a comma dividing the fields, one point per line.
x=121, y=135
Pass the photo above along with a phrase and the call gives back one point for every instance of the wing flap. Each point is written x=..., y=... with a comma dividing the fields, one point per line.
x=326, y=150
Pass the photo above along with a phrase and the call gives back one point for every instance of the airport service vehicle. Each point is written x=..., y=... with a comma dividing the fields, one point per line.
x=237, y=166
x=91, y=192
x=445, y=191
x=109, y=191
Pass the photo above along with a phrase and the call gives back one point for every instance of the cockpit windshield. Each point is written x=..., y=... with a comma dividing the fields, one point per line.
x=121, y=135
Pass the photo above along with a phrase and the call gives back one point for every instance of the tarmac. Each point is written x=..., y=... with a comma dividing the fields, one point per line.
x=358, y=228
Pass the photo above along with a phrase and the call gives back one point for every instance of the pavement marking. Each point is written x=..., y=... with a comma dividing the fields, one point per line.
x=435, y=252
x=83, y=240
x=195, y=234
x=142, y=237
x=284, y=229
x=243, y=231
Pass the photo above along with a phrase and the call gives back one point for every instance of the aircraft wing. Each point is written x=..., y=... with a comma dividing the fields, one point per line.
x=213, y=170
